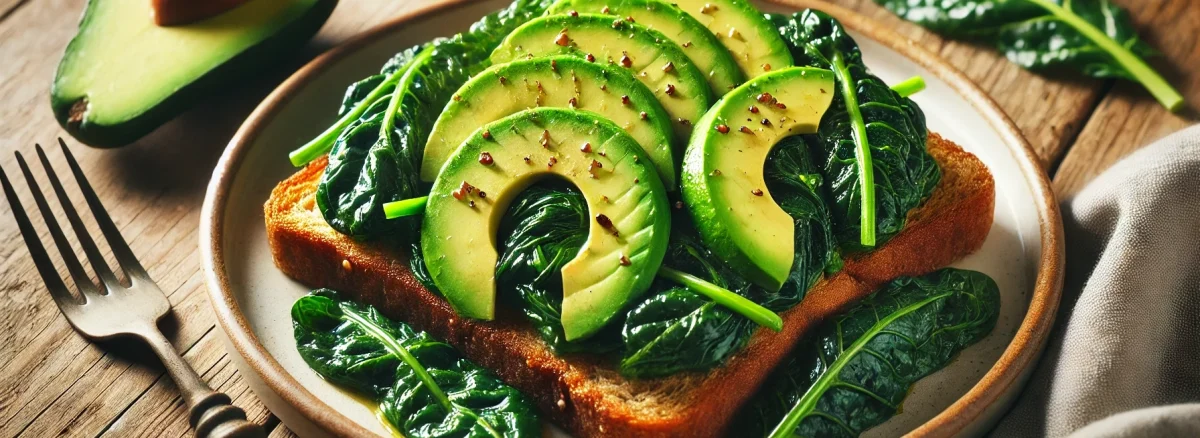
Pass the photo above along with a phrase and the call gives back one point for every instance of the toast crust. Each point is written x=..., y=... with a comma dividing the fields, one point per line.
x=586, y=395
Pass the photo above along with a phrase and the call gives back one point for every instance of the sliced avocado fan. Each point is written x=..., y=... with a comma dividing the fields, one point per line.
x=699, y=44
x=123, y=75
x=627, y=239
x=722, y=176
x=557, y=81
x=648, y=54
x=746, y=32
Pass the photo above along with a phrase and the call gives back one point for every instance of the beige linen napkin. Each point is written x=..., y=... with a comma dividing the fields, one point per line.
x=1124, y=357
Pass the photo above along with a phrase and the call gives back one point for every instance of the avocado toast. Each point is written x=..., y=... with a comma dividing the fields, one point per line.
x=589, y=368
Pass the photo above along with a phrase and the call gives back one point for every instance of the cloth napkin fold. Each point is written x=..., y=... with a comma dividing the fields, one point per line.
x=1124, y=357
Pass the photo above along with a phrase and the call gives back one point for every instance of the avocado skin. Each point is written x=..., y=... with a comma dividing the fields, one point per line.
x=290, y=38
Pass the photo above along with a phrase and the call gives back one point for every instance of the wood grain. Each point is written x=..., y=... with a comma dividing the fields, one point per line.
x=52, y=381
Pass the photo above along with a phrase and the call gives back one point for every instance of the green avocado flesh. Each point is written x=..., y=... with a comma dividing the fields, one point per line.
x=558, y=81
x=701, y=46
x=627, y=238
x=722, y=176
x=652, y=58
x=122, y=75
x=754, y=42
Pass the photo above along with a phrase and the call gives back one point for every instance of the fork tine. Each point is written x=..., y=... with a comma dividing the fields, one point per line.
x=80, y=276
x=128, y=261
x=85, y=240
x=41, y=260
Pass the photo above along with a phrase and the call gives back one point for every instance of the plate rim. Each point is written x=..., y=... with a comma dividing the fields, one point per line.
x=1012, y=368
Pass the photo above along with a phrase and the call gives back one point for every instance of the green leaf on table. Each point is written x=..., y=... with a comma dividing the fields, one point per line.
x=1095, y=37
x=853, y=372
x=868, y=126
x=424, y=387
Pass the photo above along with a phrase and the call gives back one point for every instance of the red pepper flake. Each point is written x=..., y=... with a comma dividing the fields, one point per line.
x=683, y=121
x=595, y=165
x=591, y=57
x=605, y=10
x=756, y=192
x=458, y=194
x=503, y=80
x=467, y=188
x=603, y=154
x=637, y=180
x=687, y=44
x=822, y=91
x=607, y=224
x=552, y=162
x=764, y=98
x=605, y=198
x=780, y=105
x=617, y=23
x=562, y=39
x=572, y=102
x=625, y=100
x=586, y=148
x=670, y=67
x=471, y=204
x=457, y=98
x=482, y=195
x=746, y=130
x=766, y=67
x=625, y=260
x=707, y=8
x=716, y=172
x=527, y=159
x=553, y=65
x=766, y=122
x=573, y=13
x=625, y=61
x=722, y=129
x=485, y=158
x=643, y=115
x=603, y=87
x=630, y=19
x=670, y=90
x=679, y=205
x=487, y=134
x=753, y=109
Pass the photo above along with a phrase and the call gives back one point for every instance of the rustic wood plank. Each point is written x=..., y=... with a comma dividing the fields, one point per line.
x=1129, y=118
x=1049, y=110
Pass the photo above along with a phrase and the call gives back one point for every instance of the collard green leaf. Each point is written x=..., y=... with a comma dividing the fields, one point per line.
x=1095, y=37
x=853, y=372
x=424, y=387
x=364, y=172
x=543, y=229
x=867, y=126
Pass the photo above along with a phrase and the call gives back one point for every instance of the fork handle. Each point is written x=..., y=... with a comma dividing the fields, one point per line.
x=212, y=414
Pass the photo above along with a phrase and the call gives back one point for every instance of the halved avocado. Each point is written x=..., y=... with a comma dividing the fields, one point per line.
x=557, y=81
x=627, y=238
x=700, y=45
x=122, y=75
x=648, y=54
x=754, y=42
x=722, y=176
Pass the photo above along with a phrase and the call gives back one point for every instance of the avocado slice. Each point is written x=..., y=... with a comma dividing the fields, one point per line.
x=648, y=54
x=746, y=32
x=627, y=238
x=557, y=81
x=122, y=75
x=701, y=46
x=722, y=176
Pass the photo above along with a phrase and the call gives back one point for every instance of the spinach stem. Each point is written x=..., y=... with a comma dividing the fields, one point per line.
x=1150, y=79
x=862, y=151
x=324, y=142
x=393, y=346
x=909, y=86
x=808, y=402
x=405, y=207
x=725, y=297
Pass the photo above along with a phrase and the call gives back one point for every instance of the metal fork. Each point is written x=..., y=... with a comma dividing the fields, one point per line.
x=111, y=309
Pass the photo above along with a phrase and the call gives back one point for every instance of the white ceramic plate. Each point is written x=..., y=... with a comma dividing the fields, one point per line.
x=253, y=299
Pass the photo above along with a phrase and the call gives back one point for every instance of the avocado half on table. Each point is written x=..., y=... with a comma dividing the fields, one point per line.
x=124, y=74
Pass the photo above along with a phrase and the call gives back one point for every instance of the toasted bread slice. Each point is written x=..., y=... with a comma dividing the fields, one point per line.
x=586, y=395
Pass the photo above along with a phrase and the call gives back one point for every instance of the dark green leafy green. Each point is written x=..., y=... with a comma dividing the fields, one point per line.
x=424, y=387
x=676, y=329
x=376, y=147
x=868, y=126
x=543, y=229
x=853, y=372
x=1095, y=37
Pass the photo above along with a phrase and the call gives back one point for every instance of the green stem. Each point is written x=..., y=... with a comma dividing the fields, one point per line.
x=909, y=86
x=862, y=152
x=725, y=297
x=1150, y=79
x=808, y=402
x=405, y=207
x=393, y=346
x=324, y=142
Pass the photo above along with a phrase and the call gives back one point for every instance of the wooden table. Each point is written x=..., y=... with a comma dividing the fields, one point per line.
x=52, y=381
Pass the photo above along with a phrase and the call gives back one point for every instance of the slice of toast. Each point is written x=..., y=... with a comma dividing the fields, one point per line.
x=586, y=395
